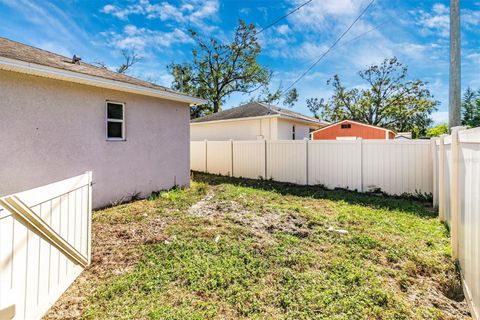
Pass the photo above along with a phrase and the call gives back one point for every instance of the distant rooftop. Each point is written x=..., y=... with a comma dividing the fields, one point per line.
x=255, y=109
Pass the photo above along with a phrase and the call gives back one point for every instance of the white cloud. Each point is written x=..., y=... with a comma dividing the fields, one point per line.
x=283, y=29
x=474, y=58
x=325, y=15
x=139, y=39
x=188, y=12
x=437, y=21
x=245, y=11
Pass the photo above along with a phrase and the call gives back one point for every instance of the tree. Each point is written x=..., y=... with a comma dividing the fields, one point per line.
x=288, y=98
x=315, y=105
x=131, y=57
x=471, y=108
x=218, y=70
x=438, y=130
x=390, y=100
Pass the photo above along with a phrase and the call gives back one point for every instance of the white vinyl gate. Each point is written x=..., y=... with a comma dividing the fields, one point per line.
x=45, y=236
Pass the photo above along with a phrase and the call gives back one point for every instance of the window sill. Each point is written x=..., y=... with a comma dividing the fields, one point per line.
x=115, y=140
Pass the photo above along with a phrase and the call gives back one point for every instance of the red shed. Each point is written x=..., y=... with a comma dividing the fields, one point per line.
x=348, y=129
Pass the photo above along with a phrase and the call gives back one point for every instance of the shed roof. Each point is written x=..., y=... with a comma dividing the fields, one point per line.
x=17, y=51
x=255, y=109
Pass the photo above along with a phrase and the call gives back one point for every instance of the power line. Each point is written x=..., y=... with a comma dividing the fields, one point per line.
x=353, y=39
x=283, y=17
x=332, y=46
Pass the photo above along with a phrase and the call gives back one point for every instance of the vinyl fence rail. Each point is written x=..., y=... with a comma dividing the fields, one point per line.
x=45, y=243
x=394, y=166
x=457, y=195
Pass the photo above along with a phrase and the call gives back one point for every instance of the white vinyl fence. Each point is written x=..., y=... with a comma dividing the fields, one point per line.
x=45, y=238
x=457, y=195
x=393, y=166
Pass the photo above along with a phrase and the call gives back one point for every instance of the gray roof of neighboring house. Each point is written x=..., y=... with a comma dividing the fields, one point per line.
x=255, y=109
x=19, y=51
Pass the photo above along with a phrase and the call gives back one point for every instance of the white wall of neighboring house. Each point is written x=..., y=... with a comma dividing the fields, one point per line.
x=239, y=129
x=52, y=130
x=285, y=130
x=270, y=128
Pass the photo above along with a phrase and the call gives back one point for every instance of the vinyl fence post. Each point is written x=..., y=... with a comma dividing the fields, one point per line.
x=231, y=157
x=441, y=178
x=455, y=192
x=433, y=150
x=89, y=221
x=360, y=161
x=206, y=157
x=306, y=161
x=265, y=158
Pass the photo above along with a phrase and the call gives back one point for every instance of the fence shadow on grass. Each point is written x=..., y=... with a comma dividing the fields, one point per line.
x=378, y=201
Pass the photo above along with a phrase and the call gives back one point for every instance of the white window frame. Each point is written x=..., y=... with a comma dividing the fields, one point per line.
x=107, y=120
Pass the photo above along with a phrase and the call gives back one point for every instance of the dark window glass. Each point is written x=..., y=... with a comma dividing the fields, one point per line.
x=346, y=126
x=114, y=111
x=293, y=133
x=114, y=129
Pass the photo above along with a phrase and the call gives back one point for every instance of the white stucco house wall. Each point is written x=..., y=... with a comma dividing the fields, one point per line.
x=59, y=119
x=254, y=121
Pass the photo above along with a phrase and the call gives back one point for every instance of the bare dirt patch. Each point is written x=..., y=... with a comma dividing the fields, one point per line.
x=262, y=225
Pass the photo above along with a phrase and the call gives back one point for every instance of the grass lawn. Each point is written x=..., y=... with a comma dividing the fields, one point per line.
x=234, y=248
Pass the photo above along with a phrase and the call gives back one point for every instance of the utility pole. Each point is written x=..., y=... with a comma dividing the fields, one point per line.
x=454, y=92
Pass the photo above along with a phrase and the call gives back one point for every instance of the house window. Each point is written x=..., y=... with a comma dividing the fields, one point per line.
x=293, y=133
x=115, y=121
x=346, y=126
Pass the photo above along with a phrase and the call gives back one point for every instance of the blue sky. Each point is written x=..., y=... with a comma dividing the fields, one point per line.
x=417, y=32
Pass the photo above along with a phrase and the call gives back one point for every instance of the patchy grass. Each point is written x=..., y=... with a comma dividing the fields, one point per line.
x=234, y=248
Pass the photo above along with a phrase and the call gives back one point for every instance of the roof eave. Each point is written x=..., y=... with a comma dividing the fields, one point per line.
x=235, y=119
x=303, y=120
x=76, y=77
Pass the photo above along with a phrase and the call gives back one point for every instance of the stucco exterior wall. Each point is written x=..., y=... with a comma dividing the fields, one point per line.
x=285, y=130
x=252, y=129
x=51, y=130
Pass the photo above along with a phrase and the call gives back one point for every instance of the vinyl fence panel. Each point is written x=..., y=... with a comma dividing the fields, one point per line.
x=198, y=155
x=219, y=157
x=469, y=215
x=335, y=164
x=249, y=159
x=287, y=161
x=447, y=158
x=397, y=167
x=41, y=231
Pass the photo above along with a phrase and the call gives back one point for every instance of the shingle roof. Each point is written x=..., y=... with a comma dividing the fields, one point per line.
x=19, y=51
x=254, y=109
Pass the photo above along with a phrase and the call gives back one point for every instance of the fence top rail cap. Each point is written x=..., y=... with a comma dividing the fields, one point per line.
x=469, y=136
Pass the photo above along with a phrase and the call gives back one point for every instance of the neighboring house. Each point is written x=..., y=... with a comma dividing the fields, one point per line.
x=60, y=118
x=351, y=130
x=254, y=121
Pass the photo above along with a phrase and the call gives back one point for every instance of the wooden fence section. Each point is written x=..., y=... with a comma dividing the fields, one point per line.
x=45, y=238
x=393, y=166
x=458, y=192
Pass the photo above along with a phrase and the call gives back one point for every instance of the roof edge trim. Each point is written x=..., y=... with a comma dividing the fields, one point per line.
x=76, y=77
